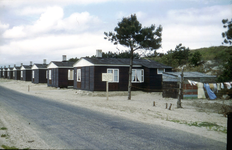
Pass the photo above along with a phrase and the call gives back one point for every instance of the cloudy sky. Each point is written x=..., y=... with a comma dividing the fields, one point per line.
x=33, y=30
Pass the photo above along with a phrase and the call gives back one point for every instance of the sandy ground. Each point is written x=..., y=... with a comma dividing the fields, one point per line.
x=140, y=108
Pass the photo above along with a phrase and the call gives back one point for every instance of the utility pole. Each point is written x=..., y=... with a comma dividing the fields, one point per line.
x=180, y=94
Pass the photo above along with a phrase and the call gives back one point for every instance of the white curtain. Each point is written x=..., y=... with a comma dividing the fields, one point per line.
x=133, y=75
x=138, y=75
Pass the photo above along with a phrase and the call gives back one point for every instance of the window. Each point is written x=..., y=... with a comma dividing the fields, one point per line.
x=50, y=74
x=8, y=73
x=13, y=74
x=160, y=71
x=33, y=74
x=79, y=75
x=137, y=75
x=21, y=74
x=46, y=74
x=115, y=73
x=70, y=74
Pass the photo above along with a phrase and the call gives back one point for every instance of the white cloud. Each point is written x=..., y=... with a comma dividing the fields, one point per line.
x=30, y=11
x=3, y=26
x=18, y=3
x=15, y=32
x=78, y=22
x=52, y=21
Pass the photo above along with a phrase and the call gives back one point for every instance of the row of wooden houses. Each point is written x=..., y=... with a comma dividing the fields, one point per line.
x=86, y=73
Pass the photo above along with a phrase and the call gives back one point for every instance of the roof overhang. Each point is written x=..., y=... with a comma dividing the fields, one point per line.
x=85, y=63
x=34, y=67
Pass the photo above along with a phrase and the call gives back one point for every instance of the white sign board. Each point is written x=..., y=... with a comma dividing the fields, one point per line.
x=107, y=77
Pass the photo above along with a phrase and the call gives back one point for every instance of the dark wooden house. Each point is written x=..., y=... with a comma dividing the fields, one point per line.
x=9, y=72
x=60, y=73
x=16, y=73
x=1, y=70
x=4, y=72
x=39, y=73
x=171, y=84
x=146, y=74
x=26, y=72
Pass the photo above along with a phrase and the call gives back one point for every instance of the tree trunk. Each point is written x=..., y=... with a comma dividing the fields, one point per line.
x=180, y=95
x=130, y=74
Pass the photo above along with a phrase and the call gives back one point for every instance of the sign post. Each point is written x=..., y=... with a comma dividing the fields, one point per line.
x=107, y=77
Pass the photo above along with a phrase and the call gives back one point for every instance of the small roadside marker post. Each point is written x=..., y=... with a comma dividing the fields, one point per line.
x=107, y=77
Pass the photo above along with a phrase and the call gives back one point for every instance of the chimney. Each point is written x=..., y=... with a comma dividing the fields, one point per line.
x=99, y=53
x=21, y=64
x=14, y=65
x=30, y=63
x=9, y=66
x=64, y=58
x=44, y=61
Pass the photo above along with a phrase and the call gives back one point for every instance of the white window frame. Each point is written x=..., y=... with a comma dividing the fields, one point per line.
x=117, y=75
x=50, y=74
x=159, y=70
x=78, y=75
x=33, y=74
x=46, y=74
x=21, y=74
x=138, y=75
x=70, y=74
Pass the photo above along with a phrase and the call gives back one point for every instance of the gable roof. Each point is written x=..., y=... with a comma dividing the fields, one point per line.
x=16, y=68
x=60, y=64
x=25, y=67
x=39, y=66
x=122, y=61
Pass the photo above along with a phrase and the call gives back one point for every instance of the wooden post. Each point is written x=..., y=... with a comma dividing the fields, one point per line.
x=170, y=107
x=153, y=103
x=107, y=89
x=166, y=105
x=180, y=94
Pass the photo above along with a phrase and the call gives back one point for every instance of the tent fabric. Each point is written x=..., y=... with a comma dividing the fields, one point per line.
x=209, y=92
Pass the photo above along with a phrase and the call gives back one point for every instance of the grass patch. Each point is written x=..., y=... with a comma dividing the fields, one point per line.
x=4, y=135
x=208, y=125
x=3, y=128
x=12, y=147
x=9, y=147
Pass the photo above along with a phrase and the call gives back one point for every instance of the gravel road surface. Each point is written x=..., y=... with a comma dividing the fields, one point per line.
x=70, y=127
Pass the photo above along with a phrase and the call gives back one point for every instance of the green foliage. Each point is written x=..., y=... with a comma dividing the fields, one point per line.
x=73, y=59
x=3, y=128
x=227, y=35
x=195, y=58
x=181, y=54
x=9, y=147
x=130, y=33
x=172, y=58
x=227, y=72
x=123, y=54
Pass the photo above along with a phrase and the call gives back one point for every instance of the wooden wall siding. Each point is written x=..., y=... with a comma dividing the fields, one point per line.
x=54, y=78
x=5, y=74
x=91, y=79
x=59, y=78
x=17, y=75
x=39, y=76
x=170, y=89
x=42, y=76
x=10, y=75
x=27, y=75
